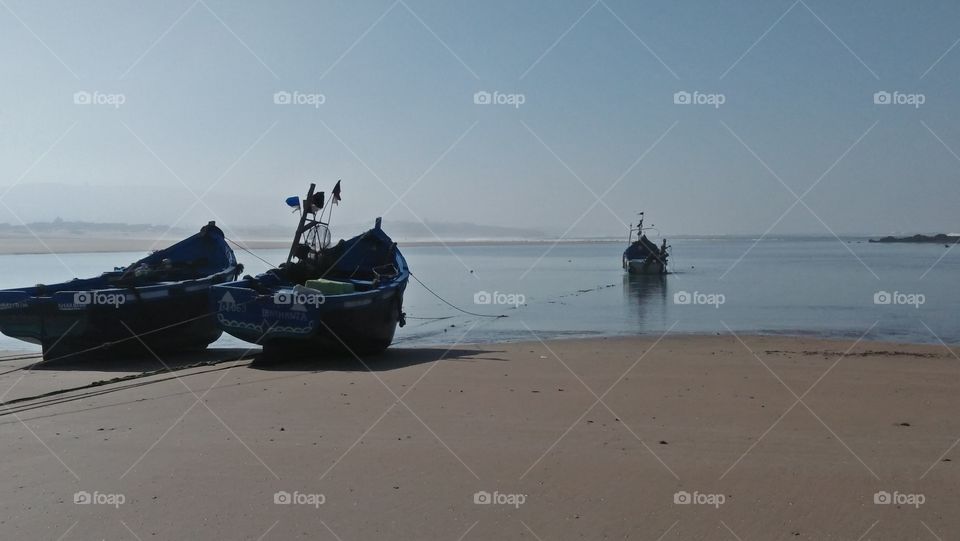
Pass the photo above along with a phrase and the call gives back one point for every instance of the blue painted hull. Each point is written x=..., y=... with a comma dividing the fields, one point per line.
x=160, y=302
x=277, y=311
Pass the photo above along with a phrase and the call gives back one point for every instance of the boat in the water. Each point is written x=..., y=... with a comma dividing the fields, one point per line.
x=159, y=302
x=347, y=296
x=643, y=256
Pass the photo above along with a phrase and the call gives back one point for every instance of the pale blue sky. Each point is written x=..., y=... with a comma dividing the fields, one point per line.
x=399, y=80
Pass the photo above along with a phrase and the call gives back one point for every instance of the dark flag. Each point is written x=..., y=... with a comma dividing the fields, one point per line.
x=336, y=194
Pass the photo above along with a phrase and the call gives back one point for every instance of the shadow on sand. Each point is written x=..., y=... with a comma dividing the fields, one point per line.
x=391, y=359
x=126, y=362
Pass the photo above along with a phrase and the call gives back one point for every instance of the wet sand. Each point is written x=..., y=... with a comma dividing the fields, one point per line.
x=771, y=438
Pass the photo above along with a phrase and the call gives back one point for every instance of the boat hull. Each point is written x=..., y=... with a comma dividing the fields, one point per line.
x=358, y=311
x=158, y=304
x=645, y=266
x=358, y=324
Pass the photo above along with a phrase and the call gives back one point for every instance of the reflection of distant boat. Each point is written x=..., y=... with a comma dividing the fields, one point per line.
x=643, y=256
x=648, y=291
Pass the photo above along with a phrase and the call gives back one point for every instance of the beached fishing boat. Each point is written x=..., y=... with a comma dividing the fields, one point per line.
x=346, y=296
x=161, y=301
x=643, y=256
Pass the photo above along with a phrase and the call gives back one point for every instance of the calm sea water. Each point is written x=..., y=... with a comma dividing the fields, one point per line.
x=790, y=286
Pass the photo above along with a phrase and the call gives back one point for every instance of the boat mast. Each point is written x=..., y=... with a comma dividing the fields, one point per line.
x=303, y=220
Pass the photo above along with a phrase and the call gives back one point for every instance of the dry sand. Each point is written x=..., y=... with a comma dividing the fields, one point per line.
x=399, y=452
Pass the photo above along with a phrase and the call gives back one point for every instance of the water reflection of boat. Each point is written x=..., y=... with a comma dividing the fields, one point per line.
x=643, y=256
x=645, y=292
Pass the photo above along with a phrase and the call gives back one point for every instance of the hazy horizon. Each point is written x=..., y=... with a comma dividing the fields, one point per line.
x=121, y=113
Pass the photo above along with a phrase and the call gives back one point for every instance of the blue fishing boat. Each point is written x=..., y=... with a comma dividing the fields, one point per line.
x=161, y=301
x=347, y=296
x=643, y=256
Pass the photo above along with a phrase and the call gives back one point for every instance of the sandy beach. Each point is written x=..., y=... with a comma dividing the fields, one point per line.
x=764, y=438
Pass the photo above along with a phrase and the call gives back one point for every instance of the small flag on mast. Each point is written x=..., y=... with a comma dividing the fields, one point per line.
x=336, y=194
x=294, y=203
